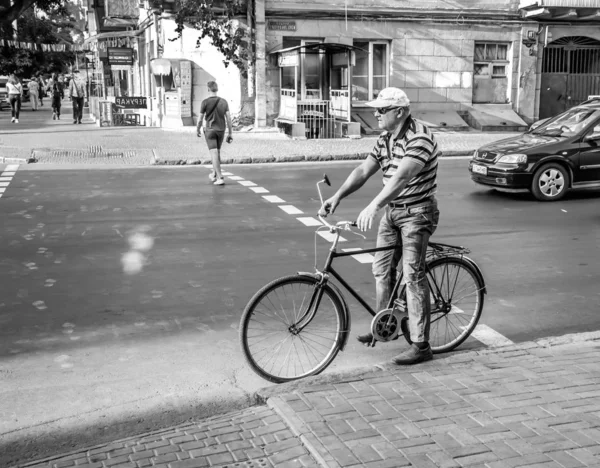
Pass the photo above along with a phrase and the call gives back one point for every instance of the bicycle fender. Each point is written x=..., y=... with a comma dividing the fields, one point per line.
x=477, y=271
x=345, y=311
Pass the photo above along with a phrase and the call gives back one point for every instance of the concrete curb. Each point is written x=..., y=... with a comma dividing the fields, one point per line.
x=284, y=159
x=16, y=160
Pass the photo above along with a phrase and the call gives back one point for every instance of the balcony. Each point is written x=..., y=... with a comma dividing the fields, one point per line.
x=561, y=10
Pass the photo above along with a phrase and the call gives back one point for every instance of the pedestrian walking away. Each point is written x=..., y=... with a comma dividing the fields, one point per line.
x=42, y=89
x=215, y=111
x=34, y=93
x=15, y=93
x=407, y=154
x=57, y=93
x=77, y=94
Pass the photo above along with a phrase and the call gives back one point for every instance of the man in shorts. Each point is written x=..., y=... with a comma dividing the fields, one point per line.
x=216, y=112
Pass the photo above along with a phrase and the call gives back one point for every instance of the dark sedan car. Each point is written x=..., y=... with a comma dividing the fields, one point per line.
x=562, y=153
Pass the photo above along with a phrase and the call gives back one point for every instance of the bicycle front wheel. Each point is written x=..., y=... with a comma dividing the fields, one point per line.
x=456, y=302
x=291, y=329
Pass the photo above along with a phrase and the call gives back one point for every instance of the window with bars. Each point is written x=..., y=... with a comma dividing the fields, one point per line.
x=370, y=73
x=490, y=60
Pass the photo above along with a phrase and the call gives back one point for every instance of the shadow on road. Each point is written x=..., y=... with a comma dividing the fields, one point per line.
x=495, y=196
x=50, y=439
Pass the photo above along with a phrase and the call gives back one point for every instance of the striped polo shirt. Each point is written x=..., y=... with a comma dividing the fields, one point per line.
x=415, y=141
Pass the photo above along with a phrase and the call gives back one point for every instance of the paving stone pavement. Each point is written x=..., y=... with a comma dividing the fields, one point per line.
x=38, y=138
x=534, y=404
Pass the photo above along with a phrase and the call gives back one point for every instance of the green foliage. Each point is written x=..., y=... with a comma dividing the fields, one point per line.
x=217, y=21
x=45, y=22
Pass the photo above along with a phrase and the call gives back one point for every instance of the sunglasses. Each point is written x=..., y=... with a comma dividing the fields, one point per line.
x=384, y=110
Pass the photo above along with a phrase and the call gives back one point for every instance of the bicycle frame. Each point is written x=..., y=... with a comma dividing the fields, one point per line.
x=323, y=274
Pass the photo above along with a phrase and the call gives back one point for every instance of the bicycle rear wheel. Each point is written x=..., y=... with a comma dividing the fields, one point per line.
x=280, y=341
x=456, y=296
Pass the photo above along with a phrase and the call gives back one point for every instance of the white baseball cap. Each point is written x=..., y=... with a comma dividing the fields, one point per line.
x=390, y=97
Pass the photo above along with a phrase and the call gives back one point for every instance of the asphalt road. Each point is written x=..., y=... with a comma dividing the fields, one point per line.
x=122, y=288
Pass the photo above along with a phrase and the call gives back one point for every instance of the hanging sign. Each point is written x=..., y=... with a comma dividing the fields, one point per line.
x=288, y=59
x=131, y=102
x=120, y=56
x=282, y=25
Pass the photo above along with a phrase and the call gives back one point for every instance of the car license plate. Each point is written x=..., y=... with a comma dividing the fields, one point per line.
x=479, y=169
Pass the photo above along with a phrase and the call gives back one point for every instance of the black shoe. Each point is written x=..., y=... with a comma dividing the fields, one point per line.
x=413, y=355
x=74, y=121
x=79, y=121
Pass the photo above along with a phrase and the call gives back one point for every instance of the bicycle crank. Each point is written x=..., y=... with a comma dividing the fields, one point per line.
x=385, y=326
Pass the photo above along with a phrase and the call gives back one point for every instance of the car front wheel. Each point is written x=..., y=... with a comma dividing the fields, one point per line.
x=550, y=182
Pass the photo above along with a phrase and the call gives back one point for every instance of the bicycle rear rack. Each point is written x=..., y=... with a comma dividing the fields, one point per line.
x=436, y=250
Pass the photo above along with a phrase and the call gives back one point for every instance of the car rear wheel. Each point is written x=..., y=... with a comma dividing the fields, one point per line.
x=550, y=182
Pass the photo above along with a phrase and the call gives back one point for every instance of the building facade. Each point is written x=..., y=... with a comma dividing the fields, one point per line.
x=500, y=62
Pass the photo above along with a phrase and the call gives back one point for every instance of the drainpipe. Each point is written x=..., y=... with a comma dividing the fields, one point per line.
x=260, y=103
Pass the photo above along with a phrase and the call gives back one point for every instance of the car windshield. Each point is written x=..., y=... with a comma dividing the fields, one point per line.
x=568, y=123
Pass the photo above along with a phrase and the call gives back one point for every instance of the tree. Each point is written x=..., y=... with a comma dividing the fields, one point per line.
x=47, y=22
x=12, y=12
x=219, y=21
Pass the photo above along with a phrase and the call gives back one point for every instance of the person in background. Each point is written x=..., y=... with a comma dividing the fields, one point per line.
x=34, y=93
x=217, y=115
x=77, y=94
x=57, y=93
x=42, y=89
x=15, y=92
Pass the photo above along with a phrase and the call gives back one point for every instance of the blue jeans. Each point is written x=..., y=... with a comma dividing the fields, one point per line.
x=410, y=229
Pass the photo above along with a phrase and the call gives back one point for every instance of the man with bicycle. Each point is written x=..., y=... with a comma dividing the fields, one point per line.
x=407, y=153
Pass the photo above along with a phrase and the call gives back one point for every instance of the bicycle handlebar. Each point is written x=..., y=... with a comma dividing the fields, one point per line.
x=339, y=225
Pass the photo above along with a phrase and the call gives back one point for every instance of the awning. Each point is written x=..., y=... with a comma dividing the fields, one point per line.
x=108, y=35
x=316, y=48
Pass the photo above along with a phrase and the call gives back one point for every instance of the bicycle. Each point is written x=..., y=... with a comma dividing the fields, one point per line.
x=310, y=312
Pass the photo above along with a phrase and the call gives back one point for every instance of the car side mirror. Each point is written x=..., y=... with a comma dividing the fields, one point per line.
x=593, y=136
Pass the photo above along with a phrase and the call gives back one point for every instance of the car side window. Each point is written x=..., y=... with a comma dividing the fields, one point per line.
x=595, y=133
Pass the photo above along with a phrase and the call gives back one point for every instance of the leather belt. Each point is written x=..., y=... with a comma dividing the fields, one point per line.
x=408, y=205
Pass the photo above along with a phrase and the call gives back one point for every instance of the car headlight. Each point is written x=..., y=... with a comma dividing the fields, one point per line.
x=513, y=159
x=475, y=153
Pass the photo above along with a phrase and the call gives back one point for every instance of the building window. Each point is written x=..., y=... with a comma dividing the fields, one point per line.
x=370, y=73
x=490, y=59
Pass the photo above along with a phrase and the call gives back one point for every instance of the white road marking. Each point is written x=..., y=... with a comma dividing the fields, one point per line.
x=6, y=177
x=259, y=190
x=490, y=337
x=226, y=173
x=246, y=183
x=235, y=177
x=290, y=209
x=309, y=221
x=361, y=258
x=329, y=237
x=273, y=199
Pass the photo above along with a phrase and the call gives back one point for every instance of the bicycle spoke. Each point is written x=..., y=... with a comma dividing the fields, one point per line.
x=279, y=340
x=456, y=305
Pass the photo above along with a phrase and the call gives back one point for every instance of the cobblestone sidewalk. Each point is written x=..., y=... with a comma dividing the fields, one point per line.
x=42, y=140
x=528, y=405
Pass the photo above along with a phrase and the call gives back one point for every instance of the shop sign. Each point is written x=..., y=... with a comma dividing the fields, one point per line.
x=131, y=102
x=313, y=113
x=122, y=8
x=288, y=59
x=120, y=56
x=282, y=25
